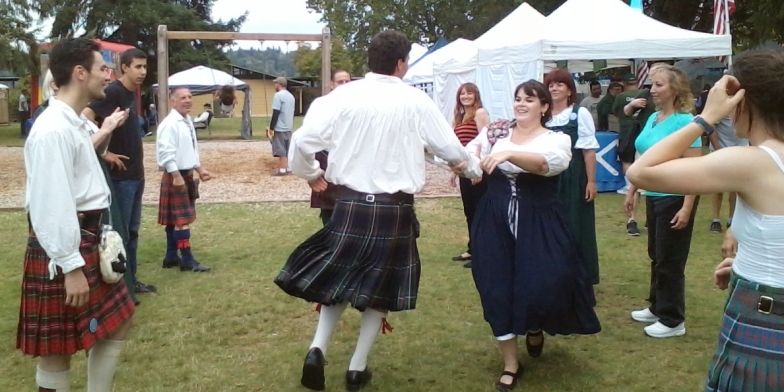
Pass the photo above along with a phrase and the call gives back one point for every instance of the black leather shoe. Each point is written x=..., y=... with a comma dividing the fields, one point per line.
x=313, y=370
x=175, y=262
x=142, y=288
x=534, y=351
x=193, y=266
x=499, y=386
x=356, y=380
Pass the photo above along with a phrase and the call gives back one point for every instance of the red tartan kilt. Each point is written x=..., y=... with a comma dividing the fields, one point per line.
x=175, y=206
x=46, y=325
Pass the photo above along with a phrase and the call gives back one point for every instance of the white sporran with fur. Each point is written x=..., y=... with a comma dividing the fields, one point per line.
x=113, y=256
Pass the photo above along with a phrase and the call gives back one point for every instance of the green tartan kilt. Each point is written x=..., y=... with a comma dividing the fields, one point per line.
x=750, y=353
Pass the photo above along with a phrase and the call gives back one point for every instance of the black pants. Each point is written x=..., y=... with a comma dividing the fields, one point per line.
x=325, y=216
x=668, y=249
x=23, y=117
x=471, y=194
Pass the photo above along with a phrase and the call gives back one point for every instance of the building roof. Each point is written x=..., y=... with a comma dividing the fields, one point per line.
x=265, y=76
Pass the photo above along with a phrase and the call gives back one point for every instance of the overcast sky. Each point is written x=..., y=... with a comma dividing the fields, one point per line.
x=264, y=16
x=270, y=16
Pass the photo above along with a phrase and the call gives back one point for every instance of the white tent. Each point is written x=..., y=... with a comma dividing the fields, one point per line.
x=417, y=51
x=450, y=73
x=203, y=80
x=422, y=71
x=616, y=32
x=3, y=87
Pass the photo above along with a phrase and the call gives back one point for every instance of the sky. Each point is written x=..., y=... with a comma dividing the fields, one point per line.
x=270, y=16
x=264, y=16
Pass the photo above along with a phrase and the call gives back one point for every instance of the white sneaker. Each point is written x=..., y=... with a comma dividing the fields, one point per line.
x=623, y=190
x=659, y=330
x=644, y=316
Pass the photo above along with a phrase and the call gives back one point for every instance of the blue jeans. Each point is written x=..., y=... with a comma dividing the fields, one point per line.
x=129, y=200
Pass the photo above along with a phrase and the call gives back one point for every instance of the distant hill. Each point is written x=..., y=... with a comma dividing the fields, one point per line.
x=271, y=61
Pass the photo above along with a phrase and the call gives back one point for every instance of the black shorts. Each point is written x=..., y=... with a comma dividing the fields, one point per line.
x=626, y=150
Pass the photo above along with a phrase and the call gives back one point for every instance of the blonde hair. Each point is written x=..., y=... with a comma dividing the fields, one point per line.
x=679, y=82
x=47, y=89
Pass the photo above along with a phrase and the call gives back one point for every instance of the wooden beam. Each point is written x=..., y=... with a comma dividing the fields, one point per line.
x=163, y=73
x=231, y=36
x=326, y=60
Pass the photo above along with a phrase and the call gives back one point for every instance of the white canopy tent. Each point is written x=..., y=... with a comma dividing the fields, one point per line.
x=449, y=73
x=422, y=71
x=203, y=80
x=417, y=51
x=617, y=32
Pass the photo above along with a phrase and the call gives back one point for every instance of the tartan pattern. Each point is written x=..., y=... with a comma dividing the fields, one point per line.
x=46, y=325
x=175, y=205
x=366, y=255
x=750, y=354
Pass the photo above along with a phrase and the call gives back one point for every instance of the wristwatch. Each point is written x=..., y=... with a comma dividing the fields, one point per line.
x=708, y=128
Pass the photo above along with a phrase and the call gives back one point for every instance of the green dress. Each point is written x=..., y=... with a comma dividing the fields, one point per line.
x=571, y=190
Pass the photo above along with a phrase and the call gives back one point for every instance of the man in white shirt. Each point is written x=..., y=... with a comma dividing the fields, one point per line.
x=177, y=153
x=203, y=120
x=376, y=131
x=66, y=306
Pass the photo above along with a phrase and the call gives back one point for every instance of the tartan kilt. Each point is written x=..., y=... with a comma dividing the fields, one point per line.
x=366, y=255
x=177, y=206
x=750, y=354
x=46, y=325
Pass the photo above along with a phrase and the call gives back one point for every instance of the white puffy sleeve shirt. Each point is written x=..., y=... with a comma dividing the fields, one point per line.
x=376, y=131
x=63, y=177
x=555, y=147
x=176, y=145
x=586, y=129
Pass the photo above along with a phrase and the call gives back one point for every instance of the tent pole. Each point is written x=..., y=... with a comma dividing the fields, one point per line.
x=163, y=71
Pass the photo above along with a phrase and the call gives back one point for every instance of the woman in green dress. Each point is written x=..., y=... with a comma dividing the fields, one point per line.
x=577, y=185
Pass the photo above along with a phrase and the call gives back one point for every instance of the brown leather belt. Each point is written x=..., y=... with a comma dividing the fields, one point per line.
x=349, y=194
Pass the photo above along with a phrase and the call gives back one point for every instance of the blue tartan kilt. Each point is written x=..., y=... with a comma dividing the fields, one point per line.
x=750, y=354
x=366, y=255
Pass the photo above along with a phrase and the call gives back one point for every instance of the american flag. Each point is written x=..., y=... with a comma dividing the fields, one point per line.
x=642, y=73
x=721, y=16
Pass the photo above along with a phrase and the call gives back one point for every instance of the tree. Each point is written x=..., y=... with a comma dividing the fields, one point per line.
x=307, y=60
x=356, y=21
x=136, y=23
x=18, y=46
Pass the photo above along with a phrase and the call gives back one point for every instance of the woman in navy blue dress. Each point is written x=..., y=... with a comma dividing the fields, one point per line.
x=527, y=264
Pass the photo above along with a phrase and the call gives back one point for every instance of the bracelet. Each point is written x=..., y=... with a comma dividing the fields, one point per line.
x=709, y=129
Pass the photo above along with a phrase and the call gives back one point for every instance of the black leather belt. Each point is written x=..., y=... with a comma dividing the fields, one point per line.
x=349, y=194
x=768, y=305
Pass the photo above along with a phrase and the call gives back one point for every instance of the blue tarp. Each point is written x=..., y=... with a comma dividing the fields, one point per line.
x=438, y=45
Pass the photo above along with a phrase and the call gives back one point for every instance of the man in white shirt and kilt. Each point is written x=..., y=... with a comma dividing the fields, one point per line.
x=376, y=131
x=66, y=306
x=178, y=155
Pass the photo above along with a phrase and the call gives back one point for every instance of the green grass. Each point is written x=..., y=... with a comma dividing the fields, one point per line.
x=233, y=330
x=220, y=129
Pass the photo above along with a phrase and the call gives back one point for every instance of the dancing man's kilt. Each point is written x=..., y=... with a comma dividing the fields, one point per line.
x=46, y=325
x=366, y=255
x=176, y=205
x=750, y=354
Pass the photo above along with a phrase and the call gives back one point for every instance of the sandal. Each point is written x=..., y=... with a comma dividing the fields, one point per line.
x=534, y=351
x=499, y=386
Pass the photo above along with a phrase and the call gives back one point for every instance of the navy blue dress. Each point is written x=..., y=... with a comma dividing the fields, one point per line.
x=536, y=280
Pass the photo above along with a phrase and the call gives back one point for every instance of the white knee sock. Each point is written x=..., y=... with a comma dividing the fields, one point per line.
x=101, y=363
x=628, y=183
x=58, y=381
x=371, y=322
x=328, y=320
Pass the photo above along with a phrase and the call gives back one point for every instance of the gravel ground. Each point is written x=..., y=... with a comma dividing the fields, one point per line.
x=241, y=173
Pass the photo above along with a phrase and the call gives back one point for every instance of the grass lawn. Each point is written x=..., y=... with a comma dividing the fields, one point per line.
x=220, y=129
x=233, y=330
